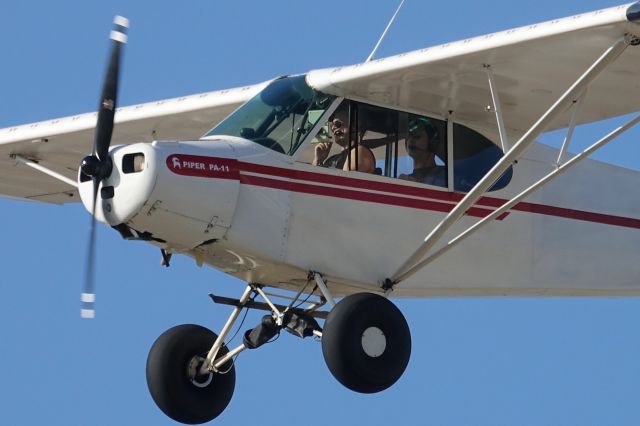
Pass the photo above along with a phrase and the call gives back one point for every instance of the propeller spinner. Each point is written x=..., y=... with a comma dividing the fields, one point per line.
x=98, y=165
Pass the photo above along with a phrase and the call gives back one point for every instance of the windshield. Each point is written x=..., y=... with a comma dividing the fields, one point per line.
x=279, y=117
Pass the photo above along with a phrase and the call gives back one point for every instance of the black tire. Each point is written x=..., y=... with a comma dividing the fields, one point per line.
x=168, y=379
x=343, y=343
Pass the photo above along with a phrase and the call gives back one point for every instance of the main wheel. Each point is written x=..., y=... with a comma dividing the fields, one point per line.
x=366, y=342
x=175, y=387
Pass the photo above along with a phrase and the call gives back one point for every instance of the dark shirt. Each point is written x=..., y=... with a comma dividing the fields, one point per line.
x=436, y=175
x=336, y=161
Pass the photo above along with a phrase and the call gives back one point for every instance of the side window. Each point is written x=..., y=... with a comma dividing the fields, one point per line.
x=474, y=155
x=376, y=131
x=405, y=146
x=371, y=139
x=422, y=150
x=354, y=138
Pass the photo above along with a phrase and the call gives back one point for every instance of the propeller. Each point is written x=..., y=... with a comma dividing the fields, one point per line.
x=98, y=165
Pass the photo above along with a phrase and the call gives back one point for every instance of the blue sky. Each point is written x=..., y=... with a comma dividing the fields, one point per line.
x=494, y=361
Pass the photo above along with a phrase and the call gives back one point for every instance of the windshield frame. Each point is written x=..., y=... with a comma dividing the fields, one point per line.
x=279, y=117
x=322, y=120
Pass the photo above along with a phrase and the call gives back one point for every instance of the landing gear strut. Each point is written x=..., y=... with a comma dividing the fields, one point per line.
x=365, y=342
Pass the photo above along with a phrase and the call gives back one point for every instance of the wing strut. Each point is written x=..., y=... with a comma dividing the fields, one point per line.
x=45, y=170
x=504, y=140
x=509, y=204
x=411, y=265
x=572, y=125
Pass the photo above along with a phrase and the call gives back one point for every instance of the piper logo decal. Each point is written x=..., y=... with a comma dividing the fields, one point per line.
x=201, y=166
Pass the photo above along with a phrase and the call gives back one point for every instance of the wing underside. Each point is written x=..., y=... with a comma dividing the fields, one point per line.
x=60, y=144
x=532, y=66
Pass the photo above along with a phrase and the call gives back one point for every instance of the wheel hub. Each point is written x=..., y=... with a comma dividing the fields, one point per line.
x=374, y=342
x=193, y=372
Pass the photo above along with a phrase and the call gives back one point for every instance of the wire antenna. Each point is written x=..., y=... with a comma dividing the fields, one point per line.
x=384, y=33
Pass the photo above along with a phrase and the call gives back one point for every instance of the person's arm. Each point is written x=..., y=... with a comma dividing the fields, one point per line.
x=366, y=160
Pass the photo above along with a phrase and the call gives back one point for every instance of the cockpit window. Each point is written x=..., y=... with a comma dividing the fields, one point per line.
x=402, y=145
x=474, y=155
x=372, y=139
x=279, y=117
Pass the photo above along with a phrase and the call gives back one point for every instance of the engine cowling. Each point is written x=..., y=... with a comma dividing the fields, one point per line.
x=183, y=193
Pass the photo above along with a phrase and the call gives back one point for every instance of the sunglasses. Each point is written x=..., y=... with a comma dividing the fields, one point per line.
x=337, y=123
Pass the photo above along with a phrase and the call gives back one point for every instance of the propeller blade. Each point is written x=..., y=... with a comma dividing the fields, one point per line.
x=108, y=98
x=88, y=296
x=98, y=166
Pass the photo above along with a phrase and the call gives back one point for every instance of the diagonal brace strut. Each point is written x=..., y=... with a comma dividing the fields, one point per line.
x=509, y=204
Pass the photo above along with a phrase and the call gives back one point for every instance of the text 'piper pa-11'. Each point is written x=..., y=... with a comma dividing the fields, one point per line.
x=360, y=183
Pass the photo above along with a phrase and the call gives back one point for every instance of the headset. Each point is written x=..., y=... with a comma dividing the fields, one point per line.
x=429, y=128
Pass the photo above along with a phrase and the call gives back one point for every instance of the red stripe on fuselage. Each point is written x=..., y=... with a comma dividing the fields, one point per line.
x=351, y=182
x=606, y=219
x=358, y=195
x=441, y=201
x=450, y=197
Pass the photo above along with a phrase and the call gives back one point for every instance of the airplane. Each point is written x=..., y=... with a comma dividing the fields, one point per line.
x=254, y=165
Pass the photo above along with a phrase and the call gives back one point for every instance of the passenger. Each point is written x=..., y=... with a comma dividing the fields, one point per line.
x=421, y=144
x=339, y=133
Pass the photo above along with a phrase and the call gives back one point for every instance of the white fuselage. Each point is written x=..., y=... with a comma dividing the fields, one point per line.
x=262, y=217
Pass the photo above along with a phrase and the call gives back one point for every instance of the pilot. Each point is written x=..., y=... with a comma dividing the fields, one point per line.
x=339, y=133
x=421, y=143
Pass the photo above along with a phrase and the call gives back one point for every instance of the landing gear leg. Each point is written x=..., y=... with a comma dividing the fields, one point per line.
x=365, y=342
x=190, y=371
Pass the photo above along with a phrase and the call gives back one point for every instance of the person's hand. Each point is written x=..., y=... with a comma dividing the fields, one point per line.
x=321, y=152
x=407, y=177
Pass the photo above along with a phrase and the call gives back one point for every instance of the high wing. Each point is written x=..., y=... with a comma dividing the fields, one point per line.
x=60, y=144
x=532, y=67
x=548, y=76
